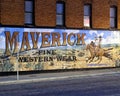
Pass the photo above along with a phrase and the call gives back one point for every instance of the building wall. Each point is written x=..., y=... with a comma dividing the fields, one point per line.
x=74, y=14
x=12, y=13
x=45, y=11
x=118, y=14
x=100, y=14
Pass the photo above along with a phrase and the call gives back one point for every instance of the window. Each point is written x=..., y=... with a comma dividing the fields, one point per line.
x=87, y=15
x=60, y=14
x=29, y=12
x=113, y=17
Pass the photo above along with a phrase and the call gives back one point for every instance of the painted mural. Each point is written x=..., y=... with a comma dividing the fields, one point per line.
x=50, y=49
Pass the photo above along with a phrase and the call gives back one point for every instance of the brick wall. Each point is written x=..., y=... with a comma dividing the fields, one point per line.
x=100, y=14
x=0, y=11
x=74, y=14
x=12, y=13
x=45, y=13
x=118, y=14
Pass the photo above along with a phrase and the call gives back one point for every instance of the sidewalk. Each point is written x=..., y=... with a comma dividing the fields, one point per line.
x=55, y=76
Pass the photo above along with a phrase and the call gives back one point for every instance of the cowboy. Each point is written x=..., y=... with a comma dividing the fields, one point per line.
x=95, y=48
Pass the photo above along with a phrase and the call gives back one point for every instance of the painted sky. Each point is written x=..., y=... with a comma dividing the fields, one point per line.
x=108, y=37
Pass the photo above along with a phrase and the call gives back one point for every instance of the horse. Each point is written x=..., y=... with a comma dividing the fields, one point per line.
x=97, y=52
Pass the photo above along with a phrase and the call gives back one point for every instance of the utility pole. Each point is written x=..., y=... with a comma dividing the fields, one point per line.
x=18, y=59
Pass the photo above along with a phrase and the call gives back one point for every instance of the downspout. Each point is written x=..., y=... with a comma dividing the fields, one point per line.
x=0, y=12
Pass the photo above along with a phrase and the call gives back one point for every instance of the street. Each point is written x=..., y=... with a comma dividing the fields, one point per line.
x=98, y=85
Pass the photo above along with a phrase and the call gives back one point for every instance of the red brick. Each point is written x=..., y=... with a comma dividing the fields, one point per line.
x=12, y=13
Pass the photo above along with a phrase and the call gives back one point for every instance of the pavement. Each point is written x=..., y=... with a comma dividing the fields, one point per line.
x=15, y=79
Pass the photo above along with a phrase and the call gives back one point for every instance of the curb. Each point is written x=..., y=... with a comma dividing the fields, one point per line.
x=54, y=78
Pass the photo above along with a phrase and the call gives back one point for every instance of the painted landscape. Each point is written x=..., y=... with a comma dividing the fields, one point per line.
x=101, y=49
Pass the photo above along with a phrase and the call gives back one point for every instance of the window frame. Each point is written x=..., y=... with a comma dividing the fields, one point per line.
x=29, y=12
x=89, y=16
x=113, y=17
x=60, y=14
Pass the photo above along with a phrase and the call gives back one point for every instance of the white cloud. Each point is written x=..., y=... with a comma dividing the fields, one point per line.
x=72, y=31
x=2, y=30
x=38, y=30
x=2, y=38
x=39, y=45
x=106, y=40
x=2, y=45
x=101, y=34
x=2, y=42
x=88, y=41
x=113, y=38
x=93, y=31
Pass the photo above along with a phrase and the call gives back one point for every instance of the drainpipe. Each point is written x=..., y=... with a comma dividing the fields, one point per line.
x=0, y=12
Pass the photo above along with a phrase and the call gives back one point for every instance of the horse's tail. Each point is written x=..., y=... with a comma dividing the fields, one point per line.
x=108, y=49
x=108, y=55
